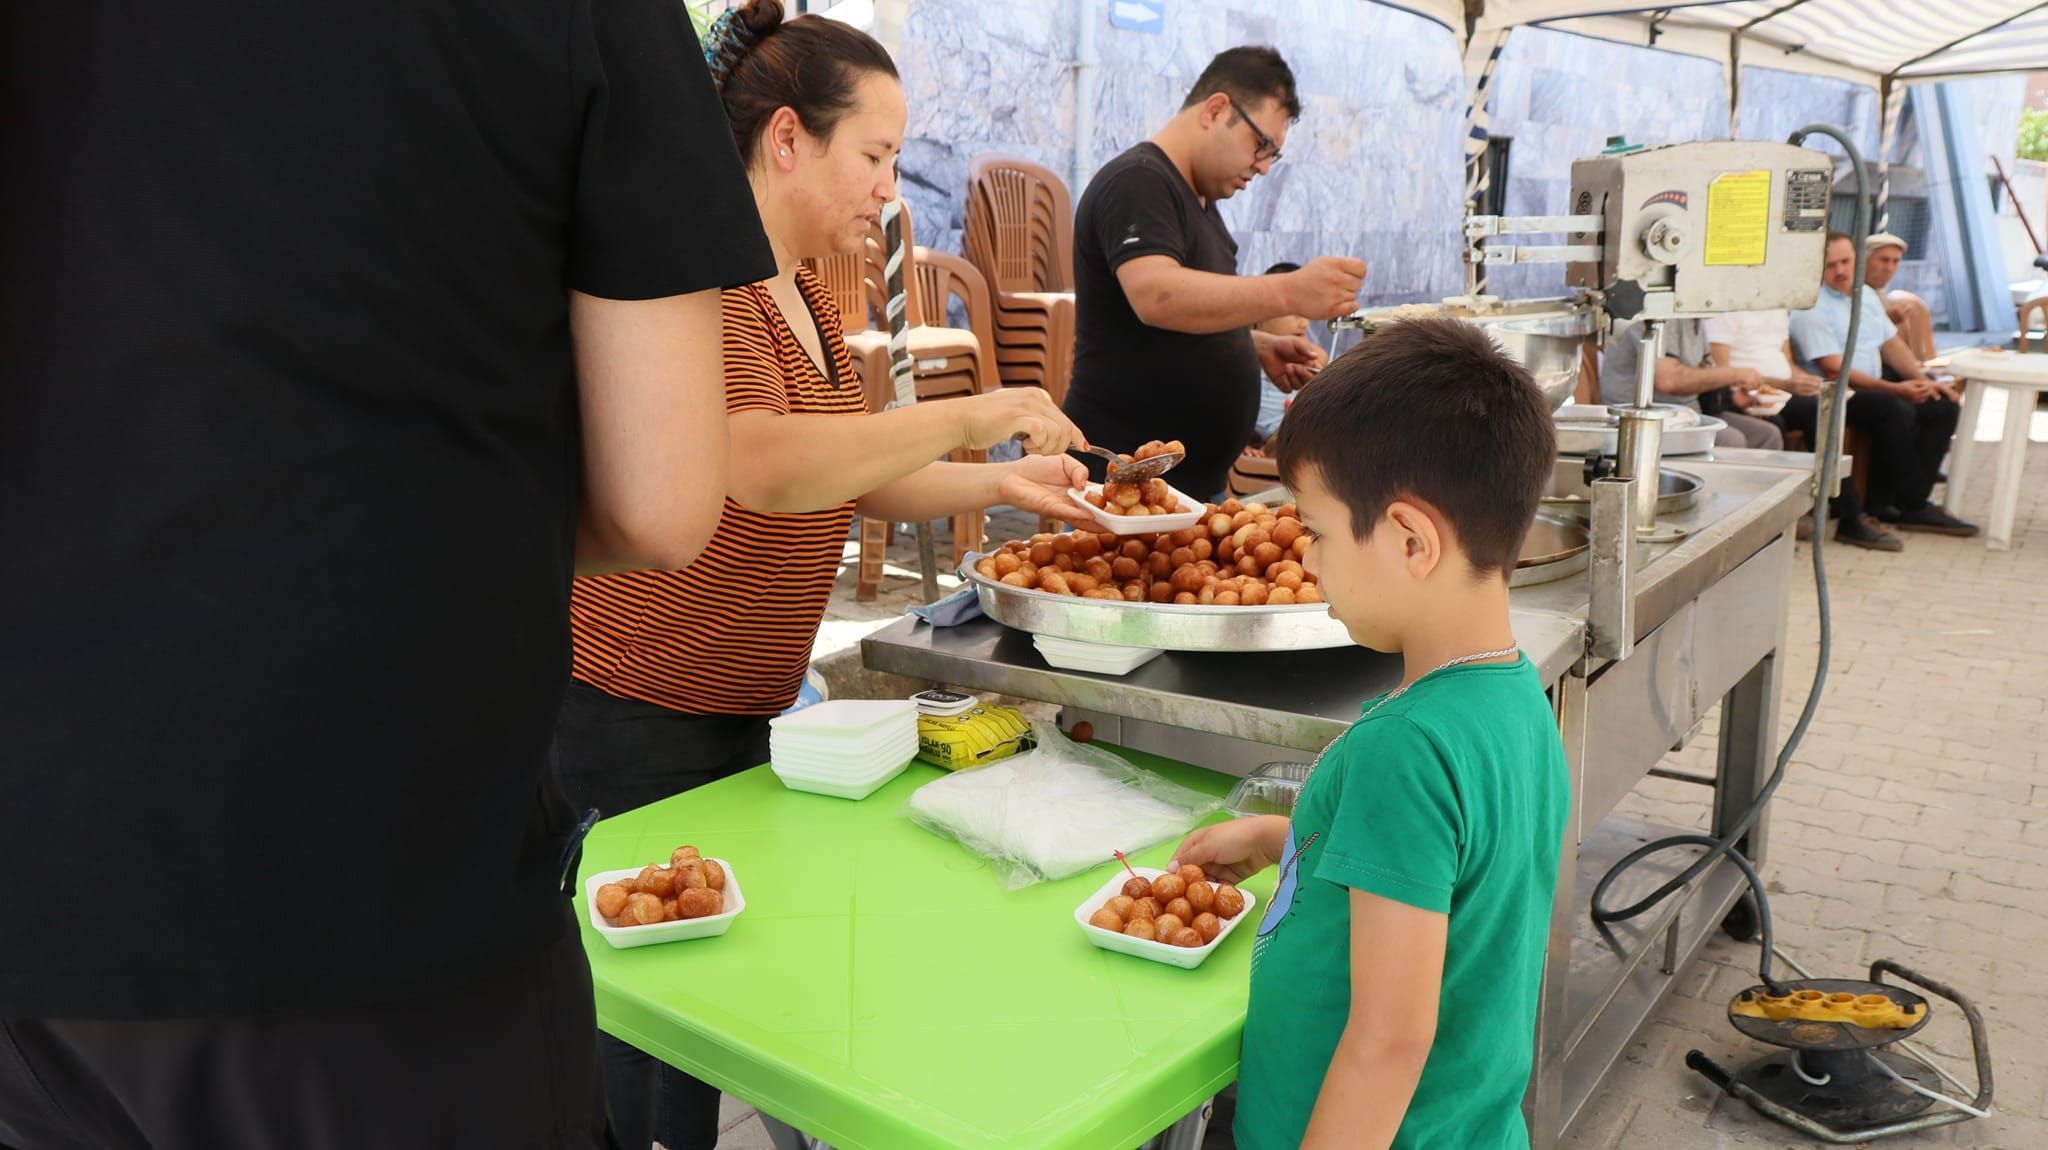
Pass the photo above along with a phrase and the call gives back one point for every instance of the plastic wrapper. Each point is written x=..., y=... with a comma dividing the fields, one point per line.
x=985, y=734
x=1057, y=810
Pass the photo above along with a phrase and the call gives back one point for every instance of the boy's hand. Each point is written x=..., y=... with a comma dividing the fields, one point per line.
x=1236, y=850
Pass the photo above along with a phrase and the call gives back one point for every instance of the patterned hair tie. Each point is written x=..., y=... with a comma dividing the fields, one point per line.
x=726, y=44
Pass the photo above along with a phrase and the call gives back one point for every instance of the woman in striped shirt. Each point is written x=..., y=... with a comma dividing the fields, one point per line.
x=678, y=672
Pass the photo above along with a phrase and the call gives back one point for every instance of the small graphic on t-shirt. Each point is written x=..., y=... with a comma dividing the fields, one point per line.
x=1283, y=895
x=1130, y=236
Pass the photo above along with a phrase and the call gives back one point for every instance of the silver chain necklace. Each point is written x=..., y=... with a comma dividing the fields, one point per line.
x=1401, y=690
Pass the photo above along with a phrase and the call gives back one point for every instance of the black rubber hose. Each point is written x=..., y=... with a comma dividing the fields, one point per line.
x=1828, y=451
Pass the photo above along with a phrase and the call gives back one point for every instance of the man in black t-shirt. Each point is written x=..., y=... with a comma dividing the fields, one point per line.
x=1164, y=346
x=297, y=456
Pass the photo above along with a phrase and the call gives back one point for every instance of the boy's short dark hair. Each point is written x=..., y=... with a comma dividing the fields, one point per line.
x=1248, y=75
x=1429, y=410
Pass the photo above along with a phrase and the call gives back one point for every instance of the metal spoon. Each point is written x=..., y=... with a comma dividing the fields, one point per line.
x=1140, y=470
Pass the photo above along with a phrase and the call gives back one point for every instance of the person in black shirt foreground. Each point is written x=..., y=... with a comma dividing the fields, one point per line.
x=1164, y=344
x=333, y=338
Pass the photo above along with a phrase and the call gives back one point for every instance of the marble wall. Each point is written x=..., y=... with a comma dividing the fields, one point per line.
x=1371, y=170
x=1374, y=167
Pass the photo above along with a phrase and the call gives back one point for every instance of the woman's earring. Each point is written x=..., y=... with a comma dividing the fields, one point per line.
x=782, y=151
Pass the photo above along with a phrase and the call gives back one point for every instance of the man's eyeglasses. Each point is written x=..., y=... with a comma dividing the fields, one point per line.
x=1269, y=152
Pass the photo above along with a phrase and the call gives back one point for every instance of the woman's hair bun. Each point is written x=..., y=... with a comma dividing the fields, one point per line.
x=761, y=16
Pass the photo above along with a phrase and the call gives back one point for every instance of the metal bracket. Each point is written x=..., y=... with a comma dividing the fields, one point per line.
x=1543, y=254
x=1478, y=226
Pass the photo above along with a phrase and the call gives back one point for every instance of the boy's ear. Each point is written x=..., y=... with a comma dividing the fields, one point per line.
x=1422, y=545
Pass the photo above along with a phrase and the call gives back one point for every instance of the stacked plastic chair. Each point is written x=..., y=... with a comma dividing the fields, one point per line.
x=1020, y=236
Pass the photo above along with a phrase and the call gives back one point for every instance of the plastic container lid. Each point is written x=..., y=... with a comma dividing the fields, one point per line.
x=1101, y=658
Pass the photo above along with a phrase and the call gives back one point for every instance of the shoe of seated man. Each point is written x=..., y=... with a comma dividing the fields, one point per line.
x=1804, y=531
x=1934, y=518
x=1869, y=533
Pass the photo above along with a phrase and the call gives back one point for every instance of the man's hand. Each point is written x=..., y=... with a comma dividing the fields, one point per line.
x=1801, y=383
x=1236, y=850
x=1916, y=390
x=1325, y=287
x=1038, y=485
x=1020, y=412
x=1290, y=361
x=1946, y=390
x=1742, y=399
x=1744, y=378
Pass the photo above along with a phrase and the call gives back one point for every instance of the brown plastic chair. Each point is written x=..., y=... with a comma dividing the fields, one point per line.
x=1020, y=235
x=950, y=363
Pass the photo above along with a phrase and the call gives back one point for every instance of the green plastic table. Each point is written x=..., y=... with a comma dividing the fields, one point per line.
x=882, y=991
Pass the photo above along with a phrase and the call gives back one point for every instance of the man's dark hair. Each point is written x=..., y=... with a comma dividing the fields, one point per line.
x=1248, y=75
x=1282, y=268
x=1845, y=237
x=1428, y=410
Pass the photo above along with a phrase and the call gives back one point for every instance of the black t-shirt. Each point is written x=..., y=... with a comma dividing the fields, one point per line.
x=289, y=470
x=1133, y=382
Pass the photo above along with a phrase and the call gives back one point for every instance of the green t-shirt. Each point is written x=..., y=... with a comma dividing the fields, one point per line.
x=1453, y=798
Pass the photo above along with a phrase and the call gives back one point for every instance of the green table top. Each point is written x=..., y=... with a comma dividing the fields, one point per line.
x=882, y=991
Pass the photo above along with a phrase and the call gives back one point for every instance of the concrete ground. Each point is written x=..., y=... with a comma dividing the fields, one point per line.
x=1913, y=824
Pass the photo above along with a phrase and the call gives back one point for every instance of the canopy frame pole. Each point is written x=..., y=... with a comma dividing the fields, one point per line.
x=1482, y=54
x=1891, y=108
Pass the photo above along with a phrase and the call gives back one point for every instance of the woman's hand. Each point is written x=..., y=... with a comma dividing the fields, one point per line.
x=1236, y=850
x=1026, y=413
x=1038, y=485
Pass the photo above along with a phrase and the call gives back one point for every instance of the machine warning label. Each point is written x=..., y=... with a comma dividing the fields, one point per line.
x=1738, y=219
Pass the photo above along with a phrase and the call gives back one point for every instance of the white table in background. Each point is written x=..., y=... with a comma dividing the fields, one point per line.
x=2021, y=377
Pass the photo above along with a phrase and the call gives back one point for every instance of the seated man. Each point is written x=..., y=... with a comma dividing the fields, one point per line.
x=1682, y=375
x=1760, y=341
x=1909, y=422
x=1273, y=401
x=1882, y=254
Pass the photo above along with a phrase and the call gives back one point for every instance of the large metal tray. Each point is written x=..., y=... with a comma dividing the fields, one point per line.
x=1555, y=548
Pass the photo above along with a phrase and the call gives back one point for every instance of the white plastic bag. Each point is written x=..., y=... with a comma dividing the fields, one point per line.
x=1056, y=811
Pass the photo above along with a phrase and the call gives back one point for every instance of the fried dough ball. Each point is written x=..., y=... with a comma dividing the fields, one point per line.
x=1136, y=888
x=1208, y=926
x=1287, y=511
x=1185, y=598
x=699, y=902
x=1106, y=919
x=1201, y=896
x=642, y=909
x=1136, y=548
x=1255, y=594
x=1188, y=579
x=1041, y=554
x=1135, y=592
x=1168, y=925
x=1087, y=544
x=1063, y=544
x=1189, y=938
x=1226, y=599
x=1055, y=581
x=1286, y=531
x=1006, y=562
x=1142, y=928
x=1230, y=506
x=1181, y=909
x=1267, y=554
x=1125, y=567
x=1109, y=541
x=1280, y=597
x=1219, y=525
x=689, y=874
x=1229, y=901
x=1191, y=873
x=686, y=851
x=1290, y=579
x=1081, y=584
x=987, y=569
x=1161, y=592
x=714, y=875
x=1066, y=562
x=1175, y=447
x=1094, y=499
x=1207, y=595
x=1159, y=565
x=1168, y=887
x=1122, y=905
x=610, y=899
x=659, y=881
x=669, y=913
x=1308, y=594
x=1018, y=579
x=1148, y=907
x=1299, y=547
x=1099, y=569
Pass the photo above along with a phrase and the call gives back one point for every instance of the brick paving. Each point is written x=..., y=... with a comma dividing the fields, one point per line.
x=1913, y=825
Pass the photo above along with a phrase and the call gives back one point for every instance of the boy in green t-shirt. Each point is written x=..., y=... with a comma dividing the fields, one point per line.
x=1397, y=968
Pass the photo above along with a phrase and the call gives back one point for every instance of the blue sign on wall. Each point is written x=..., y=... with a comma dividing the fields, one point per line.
x=1138, y=15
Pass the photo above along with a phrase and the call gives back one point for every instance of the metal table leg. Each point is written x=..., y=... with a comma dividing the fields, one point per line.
x=1186, y=1134
x=787, y=1137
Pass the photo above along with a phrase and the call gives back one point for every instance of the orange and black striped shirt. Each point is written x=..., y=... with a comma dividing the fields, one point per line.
x=731, y=633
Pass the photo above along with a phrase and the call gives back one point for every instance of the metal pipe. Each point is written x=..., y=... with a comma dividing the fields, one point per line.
x=1085, y=63
x=1611, y=602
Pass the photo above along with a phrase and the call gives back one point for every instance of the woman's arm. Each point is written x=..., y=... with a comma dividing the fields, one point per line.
x=1037, y=485
x=789, y=463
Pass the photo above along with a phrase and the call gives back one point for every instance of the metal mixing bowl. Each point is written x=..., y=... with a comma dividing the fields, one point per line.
x=1549, y=346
